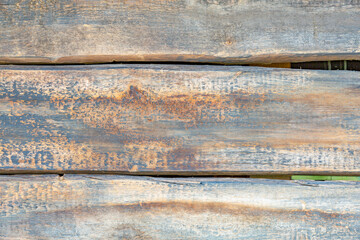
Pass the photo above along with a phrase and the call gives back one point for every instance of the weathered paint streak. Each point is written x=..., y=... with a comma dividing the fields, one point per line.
x=251, y=31
x=159, y=118
x=113, y=207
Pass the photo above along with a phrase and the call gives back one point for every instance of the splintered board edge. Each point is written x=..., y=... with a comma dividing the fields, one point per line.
x=179, y=119
x=118, y=207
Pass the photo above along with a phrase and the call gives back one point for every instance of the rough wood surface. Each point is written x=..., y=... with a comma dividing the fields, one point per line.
x=38, y=31
x=158, y=118
x=114, y=207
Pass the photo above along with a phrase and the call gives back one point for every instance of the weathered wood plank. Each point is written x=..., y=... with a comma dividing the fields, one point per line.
x=184, y=30
x=115, y=207
x=165, y=119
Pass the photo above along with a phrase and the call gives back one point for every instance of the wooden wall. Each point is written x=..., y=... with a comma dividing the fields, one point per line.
x=171, y=107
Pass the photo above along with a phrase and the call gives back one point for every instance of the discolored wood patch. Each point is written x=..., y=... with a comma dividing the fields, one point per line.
x=118, y=207
x=178, y=119
x=251, y=31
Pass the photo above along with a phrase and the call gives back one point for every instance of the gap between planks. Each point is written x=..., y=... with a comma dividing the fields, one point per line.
x=277, y=176
x=353, y=65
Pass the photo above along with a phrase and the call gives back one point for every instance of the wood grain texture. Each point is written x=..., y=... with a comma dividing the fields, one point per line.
x=260, y=31
x=115, y=207
x=176, y=119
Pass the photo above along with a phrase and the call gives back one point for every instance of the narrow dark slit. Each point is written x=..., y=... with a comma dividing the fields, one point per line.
x=319, y=177
x=350, y=65
x=328, y=65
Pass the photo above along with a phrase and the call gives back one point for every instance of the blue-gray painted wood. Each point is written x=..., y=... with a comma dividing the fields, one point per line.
x=179, y=119
x=260, y=31
x=115, y=207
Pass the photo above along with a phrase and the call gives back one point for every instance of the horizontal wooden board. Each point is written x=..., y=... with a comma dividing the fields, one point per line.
x=175, y=119
x=234, y=31
x=115, y=207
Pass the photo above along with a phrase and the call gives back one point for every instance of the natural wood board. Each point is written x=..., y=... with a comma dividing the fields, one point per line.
x=163, y=119
x=115, y=207
x=232, y=31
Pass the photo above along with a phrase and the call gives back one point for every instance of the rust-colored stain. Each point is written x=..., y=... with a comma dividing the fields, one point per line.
x=252, y=213
x=114, y=115
x=326, y=137
x=180, y=208
x=343, y=101
x=192, y=109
